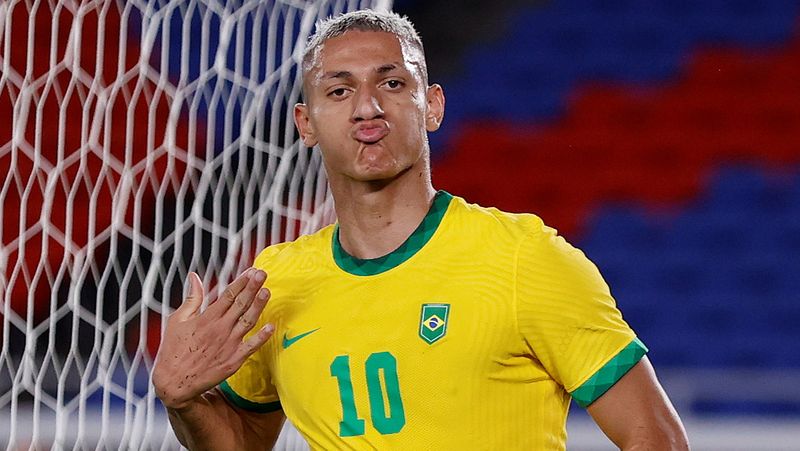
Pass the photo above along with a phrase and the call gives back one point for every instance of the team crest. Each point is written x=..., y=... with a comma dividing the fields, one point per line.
x=433, y=322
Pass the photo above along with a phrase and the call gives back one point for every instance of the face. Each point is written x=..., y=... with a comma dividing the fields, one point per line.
x=368, y=107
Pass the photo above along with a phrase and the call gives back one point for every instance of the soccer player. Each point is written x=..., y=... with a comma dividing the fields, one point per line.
x=418, y=321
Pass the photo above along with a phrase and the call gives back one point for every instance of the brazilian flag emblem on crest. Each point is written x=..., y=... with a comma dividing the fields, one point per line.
x=433, y=322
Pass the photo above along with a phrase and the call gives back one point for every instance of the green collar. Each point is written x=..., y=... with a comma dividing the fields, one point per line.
x=415, y=242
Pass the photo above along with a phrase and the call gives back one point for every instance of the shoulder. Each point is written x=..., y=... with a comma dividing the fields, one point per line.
x=516, y=226
x=302, y=248
x=538, y=247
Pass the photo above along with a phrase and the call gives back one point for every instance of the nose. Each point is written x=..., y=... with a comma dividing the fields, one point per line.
x=367, y=105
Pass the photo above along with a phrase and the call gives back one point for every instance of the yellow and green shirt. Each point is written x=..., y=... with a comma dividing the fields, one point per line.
x=473, y=334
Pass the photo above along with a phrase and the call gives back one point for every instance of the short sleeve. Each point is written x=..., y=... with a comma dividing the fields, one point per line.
x=569, y=319
x=251, y=386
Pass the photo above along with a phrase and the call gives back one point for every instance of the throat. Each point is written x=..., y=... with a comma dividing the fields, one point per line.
x=376, y=236
x=370, y=252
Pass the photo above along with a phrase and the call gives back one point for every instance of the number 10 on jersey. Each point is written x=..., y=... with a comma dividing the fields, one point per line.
x=377, y=363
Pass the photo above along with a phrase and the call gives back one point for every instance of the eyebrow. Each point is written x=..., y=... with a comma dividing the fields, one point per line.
x=386, y=68
x=337, y=74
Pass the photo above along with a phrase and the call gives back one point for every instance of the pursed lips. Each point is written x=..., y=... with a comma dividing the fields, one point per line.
x=371, y=132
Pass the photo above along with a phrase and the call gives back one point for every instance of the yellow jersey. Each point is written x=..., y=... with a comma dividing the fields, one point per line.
x=474, y=334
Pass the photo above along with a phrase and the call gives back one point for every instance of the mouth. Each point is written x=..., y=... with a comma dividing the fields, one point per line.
x=370, y=133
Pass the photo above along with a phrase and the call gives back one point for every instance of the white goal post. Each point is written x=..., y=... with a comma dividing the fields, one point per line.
x=139, y=140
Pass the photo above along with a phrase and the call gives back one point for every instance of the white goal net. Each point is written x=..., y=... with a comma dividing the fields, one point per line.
x=139, y=140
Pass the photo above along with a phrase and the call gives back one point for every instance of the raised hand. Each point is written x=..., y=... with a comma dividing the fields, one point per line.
x=201, y=349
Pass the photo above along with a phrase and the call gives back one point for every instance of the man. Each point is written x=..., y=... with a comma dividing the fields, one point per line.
x=418, y=321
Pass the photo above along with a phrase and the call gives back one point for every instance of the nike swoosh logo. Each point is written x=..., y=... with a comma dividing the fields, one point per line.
x=290, y=341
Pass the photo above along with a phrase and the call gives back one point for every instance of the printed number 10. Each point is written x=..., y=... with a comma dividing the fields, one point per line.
x=351, y=425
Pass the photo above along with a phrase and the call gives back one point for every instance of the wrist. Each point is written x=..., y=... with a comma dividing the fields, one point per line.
x=180, y=404
x=186, y=407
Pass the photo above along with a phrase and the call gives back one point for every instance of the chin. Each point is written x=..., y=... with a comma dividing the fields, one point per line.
x=376, y=173
x=376, y=170
x=376, y=177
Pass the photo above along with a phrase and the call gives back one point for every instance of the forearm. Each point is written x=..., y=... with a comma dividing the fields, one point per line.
x=210, y=423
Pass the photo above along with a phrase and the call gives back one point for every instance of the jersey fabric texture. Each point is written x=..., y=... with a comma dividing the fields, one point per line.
x=473, y=334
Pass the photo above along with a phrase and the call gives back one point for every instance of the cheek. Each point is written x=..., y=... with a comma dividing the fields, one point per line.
x=331, y=124
x=419, y=100
x=416, y=129
x=414, y=118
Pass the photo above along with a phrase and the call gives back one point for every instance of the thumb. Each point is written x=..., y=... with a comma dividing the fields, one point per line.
x=194, y=298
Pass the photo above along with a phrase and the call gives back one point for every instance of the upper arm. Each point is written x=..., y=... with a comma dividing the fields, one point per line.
x=265, y=426
x=211, y=422
x=635, y=412
x=259, y=430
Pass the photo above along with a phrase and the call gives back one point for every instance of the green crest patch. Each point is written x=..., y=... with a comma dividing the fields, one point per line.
x=433, y=322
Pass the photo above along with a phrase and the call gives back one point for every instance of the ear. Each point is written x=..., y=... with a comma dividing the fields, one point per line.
x=303, y=124
x=435, y=107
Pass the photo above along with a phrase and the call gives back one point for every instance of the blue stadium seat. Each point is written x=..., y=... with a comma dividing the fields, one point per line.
x=719, y=274
x=617, y=41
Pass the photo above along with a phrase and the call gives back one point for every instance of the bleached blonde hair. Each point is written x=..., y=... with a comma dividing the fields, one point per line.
x=364, y=20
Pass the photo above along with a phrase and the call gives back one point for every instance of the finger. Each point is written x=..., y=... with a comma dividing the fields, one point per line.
x=245, y=298
x=231, y=291
x=194, y=299
x=249, y=319
x=252, y=344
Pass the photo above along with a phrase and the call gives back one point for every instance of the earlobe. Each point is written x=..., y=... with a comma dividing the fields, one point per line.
x=432, y=123
x=435, y=114
x=304, y=126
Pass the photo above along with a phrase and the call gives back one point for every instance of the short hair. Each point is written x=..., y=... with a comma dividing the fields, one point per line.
x=363, y=20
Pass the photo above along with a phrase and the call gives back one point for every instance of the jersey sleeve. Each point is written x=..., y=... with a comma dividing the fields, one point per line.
x=251, y=387
x=569, y=319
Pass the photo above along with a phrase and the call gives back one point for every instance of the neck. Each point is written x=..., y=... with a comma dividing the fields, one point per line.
x=375, y=218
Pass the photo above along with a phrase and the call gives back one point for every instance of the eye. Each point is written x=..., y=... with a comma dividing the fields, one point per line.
x=338, y=93
x=394, y=84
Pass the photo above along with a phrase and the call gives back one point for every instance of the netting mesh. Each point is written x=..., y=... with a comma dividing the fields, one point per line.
x=139, y=140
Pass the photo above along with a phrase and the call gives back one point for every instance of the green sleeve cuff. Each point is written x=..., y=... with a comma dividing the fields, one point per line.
x=609, y=374
x=245, y=404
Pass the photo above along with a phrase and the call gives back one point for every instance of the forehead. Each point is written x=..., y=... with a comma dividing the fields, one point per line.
x=363, y=50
